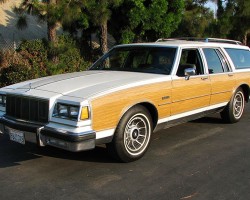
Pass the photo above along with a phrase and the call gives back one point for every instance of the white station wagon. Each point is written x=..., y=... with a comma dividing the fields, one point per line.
x=129, y=93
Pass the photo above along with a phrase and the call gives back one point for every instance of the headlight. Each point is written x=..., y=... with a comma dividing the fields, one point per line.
x=71, y=112
x=2, y=100
x=66, y=111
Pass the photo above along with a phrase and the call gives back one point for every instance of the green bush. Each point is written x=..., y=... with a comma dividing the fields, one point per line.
x=34, y=47
x=34, y=52
x=69, y=56
x=16, y=73
x=31, y=60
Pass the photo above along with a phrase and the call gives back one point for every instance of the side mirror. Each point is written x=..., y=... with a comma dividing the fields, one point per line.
x=211, y=71
x=189, y=72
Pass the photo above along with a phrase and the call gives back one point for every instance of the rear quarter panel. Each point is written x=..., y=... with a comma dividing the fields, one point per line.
x=242, y=77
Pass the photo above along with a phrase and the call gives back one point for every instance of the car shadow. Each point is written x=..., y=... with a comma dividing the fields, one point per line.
x=214, y=119
x=11, y=153
x=209, y=120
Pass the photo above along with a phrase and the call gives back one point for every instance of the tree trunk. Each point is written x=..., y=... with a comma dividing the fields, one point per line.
x=104, y=37
x=51, y=27
x=220, y=9
x=86, y=45
x=52, y=35
x=245, y=37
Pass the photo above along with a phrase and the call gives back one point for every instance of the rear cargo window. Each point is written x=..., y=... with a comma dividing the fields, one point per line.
x=240, y=58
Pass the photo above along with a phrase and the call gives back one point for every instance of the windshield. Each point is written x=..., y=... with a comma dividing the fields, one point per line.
x=145, y=59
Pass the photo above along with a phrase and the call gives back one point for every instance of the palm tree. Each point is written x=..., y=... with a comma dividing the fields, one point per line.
x=46, y=10
x=100, y=11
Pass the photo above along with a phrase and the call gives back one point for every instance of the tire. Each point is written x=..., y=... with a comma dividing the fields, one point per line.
x=235, y=108
x=132, y=136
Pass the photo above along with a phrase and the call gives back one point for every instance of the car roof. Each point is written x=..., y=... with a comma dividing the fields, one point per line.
x=184, y=43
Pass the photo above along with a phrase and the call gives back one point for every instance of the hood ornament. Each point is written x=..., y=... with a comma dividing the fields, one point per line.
x=29, y=86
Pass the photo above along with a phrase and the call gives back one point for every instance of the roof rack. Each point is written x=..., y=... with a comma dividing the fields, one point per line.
x=201, y=40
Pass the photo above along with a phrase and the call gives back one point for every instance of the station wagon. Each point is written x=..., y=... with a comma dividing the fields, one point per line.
x=129, y=93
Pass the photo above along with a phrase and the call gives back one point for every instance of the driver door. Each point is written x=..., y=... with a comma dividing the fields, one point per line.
x=190, y=95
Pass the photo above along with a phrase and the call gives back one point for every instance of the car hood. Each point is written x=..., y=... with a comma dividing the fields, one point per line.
x=85, y=84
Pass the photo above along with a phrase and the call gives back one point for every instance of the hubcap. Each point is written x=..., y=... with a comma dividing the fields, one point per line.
x=137, y=134
x=238, y=105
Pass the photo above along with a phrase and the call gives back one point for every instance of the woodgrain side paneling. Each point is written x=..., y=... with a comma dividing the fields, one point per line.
x=107, y=110
x=169, y=98
x=189, y=105
x=222, y=87
x=190, y=94
x=242, y=78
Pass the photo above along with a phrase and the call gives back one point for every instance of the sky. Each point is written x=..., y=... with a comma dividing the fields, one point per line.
x=212, y=6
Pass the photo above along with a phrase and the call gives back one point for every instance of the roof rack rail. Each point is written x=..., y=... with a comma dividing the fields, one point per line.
x=201, y=40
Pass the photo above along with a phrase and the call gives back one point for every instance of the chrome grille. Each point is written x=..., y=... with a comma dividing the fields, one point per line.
x=26, y=108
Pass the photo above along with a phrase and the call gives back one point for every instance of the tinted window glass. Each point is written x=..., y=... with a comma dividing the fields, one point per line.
x=240, y=58
x=190, y=58
x=146, y=59
x=213, y=61
x=224, y=61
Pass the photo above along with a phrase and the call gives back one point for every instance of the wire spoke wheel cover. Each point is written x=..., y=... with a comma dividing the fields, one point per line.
x=132, y=136
x=238, y=105
x=233, y=112
x=137, y=134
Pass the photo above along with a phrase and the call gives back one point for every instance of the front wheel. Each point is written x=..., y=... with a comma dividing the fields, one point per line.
x=132, y=135
x=235, y=108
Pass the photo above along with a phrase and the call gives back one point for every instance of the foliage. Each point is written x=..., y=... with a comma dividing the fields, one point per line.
x=16, y=73
x=31, y=60
x=146, y=20
x=33, y=56
x=100, y=13
x=222, y=26
x=233, y=20
x=22, y=22
x=70, y=59
x=241, y=20
x=196, y=20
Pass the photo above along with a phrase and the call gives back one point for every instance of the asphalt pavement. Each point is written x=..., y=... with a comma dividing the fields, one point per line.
x=203, y=159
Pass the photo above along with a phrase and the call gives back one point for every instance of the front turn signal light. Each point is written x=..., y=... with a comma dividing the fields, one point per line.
x=84, y=113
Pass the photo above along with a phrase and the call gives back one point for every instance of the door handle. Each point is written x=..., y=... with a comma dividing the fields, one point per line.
x=204, y=78
x=230, y=75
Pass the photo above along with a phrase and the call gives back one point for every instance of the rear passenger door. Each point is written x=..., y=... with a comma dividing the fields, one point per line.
x=221, y=76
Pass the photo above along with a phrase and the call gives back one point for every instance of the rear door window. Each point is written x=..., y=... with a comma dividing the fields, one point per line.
x=240, y=57
x=214, y=62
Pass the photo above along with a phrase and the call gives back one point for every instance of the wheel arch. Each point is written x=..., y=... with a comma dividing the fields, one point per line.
x=246, y=91
x=118, y=148
x=151, y=109
x=153, y=112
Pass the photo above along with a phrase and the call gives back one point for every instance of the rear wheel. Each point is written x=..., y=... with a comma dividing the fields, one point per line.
x=132, y=135
x=235, y=108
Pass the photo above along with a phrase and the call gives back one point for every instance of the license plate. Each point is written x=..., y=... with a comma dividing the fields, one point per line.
x=16, y=136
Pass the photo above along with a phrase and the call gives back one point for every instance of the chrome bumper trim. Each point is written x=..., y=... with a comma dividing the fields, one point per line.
x=43, y=135
x=69, y=146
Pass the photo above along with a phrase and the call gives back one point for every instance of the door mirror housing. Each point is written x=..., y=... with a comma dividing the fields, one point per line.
x=189, y=72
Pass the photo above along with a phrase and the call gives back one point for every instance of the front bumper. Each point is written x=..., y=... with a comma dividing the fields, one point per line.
x=45, y=135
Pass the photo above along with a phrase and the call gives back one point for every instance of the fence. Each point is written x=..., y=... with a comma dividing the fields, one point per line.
x=8, y=45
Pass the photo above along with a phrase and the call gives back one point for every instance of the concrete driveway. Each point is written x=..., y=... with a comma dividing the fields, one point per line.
x=202, y=159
